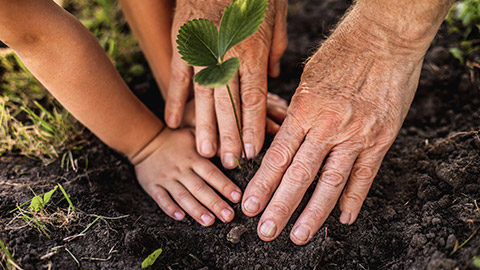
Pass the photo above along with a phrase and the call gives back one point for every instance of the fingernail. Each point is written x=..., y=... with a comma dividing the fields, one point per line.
x=268, y=228
x=229, y=161
x=251, y=204
x=345, y=217
x=226, y=214
x=236, y=196
x=250, y=149
x=206, y=219
x=178, y=216
x=172, y=120
x=302, y=233
x=207, y=148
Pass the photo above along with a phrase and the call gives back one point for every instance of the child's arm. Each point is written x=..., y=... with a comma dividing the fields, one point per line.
x=151, y=23
x=69, y=62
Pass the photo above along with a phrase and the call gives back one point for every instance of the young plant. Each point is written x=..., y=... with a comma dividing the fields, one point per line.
x=201, y=44
x=42, y=211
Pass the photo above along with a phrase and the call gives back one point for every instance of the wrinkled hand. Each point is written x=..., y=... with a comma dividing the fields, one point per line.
x=276, y=113
x=349, y=106
x=259, y=54
x=177, y=178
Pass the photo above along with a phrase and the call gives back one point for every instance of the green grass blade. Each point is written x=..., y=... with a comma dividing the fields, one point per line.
x=67, y=197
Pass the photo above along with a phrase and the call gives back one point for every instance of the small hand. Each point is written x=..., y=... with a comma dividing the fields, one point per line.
x=346, y=113
x=178, y=179
x=260, y=54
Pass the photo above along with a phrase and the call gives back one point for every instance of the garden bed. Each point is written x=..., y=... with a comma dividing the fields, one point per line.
x=422, y=205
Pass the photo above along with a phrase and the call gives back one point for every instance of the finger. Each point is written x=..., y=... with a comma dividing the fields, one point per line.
x=295, y=182
x=276, y=160
x=216, y=179
x=178, y=91
x=330, y=184
x=276, y=107
x=272, y=127
x=186, y=200
x=231, y=147
x=359, y=183
x=206, y=127
x=253, y=88
x=163, y=200
x=205, y=195
x=279, y=38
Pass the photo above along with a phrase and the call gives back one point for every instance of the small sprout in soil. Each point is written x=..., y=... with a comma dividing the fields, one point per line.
x=201, y=44
x=7, y=257
x=43, y=212
x=150, y=260
x=457, y=247
x=476, y=261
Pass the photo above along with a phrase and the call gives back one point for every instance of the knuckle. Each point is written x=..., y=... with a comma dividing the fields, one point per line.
x=202, y=91
x=262, y=187
x=277, y=157
x=205, y=130
x=332, y=178
x=182, y=195
x=180, y=75
x=253, y=98
x=363, y=173
x=229, y=139
x=217, y=205
x=199, y=188
x=315, y=214
x=353, y=198
x=281, y=209
x=299, y=175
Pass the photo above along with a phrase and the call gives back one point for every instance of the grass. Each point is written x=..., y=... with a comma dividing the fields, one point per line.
x=7, y=258
x=43, y=212
x=32, y=122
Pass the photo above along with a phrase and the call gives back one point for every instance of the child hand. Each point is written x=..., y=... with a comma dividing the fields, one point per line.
x=170, y=170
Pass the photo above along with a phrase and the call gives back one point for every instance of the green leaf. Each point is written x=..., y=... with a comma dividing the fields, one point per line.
x=476, y=261
x=48, y=195
x=150, y=260
x=198, y=43
x=457, y=53
x=239, y=21
x=218, y=75
x=37, y=203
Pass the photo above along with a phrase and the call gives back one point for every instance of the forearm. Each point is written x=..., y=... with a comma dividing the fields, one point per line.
x=395, y=26
x=69, y=62
x=151, y=23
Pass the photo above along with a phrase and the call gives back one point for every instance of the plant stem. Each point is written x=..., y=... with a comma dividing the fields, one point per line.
x=238, y=124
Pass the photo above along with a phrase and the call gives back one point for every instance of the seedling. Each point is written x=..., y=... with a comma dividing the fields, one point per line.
x=150, y=260
x=201, y=44
x=42, y=211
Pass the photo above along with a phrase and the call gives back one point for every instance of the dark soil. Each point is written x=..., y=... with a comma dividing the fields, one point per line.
x=422, y=203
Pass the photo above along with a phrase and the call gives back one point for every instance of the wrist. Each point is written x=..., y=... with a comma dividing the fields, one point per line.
x=147, y=149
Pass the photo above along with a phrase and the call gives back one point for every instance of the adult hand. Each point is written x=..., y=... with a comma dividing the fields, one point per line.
x=353, y=97
x=260, y=54
x=276, y=113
